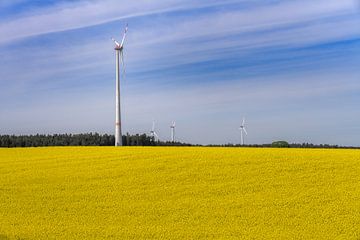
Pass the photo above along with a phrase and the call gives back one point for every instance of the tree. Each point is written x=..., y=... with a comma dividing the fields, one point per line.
x=280, y=144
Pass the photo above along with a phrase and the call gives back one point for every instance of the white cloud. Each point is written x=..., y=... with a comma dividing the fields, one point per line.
x=204, y=113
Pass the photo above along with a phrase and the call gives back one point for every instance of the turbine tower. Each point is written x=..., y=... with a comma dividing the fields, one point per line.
x=153, y=133
x=119, y=56
x=242, y=129
x=172, y=128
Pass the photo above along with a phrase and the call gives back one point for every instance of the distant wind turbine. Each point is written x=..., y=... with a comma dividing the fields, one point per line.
x=172, y=128
x=242, y=129
x=153, y=133
x=119, y=47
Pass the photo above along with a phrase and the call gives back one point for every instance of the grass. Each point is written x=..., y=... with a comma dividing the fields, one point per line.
x=179, y=193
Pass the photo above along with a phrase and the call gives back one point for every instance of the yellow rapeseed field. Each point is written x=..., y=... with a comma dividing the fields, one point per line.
x=179, y=193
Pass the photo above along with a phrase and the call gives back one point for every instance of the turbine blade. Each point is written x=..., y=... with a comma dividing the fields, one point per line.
x=124, y=35
x=243, y=122
x=245, y=131
x=157, y=136
x=116, y=42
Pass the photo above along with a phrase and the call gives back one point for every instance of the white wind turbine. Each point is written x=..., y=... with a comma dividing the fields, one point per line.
x=172, y=129
x=242, y=129
x=153, y=133
x=119, y=47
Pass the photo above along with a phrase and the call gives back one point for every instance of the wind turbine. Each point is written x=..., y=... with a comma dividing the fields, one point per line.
x=172, y=128
x=153, y=133
x=242, y=129
x=119, y=47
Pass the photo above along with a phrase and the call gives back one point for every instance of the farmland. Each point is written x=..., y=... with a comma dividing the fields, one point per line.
x=179, y=193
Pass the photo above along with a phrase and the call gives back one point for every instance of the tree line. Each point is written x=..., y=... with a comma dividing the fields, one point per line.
x=284, y=144
x=96, y=139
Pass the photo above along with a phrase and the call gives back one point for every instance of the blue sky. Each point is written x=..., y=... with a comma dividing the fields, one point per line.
x=290, y=67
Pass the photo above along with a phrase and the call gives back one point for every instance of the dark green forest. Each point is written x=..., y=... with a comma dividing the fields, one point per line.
x=87, y=139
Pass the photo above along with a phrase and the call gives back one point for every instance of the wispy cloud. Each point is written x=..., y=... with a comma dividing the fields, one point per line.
x=69, y=16
x=7, y=3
